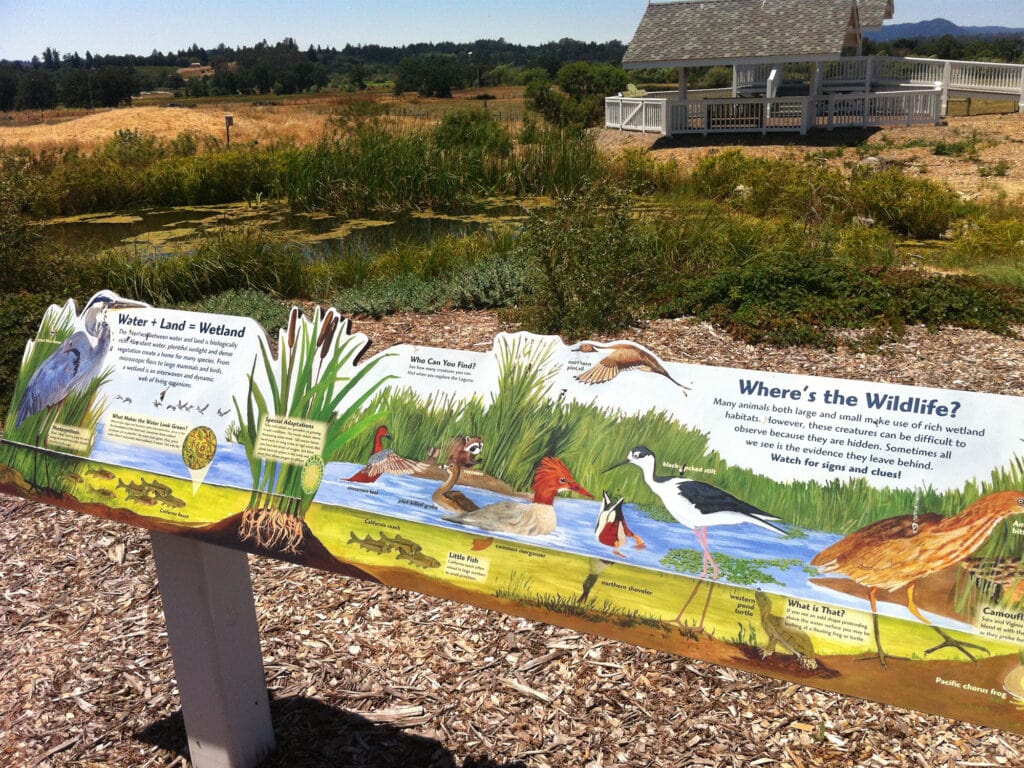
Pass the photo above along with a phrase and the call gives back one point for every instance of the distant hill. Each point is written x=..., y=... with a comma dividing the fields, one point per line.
x=936, y=28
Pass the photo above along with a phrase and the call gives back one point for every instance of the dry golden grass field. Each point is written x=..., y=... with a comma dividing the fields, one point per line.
x=996, y=163
x=302, y=120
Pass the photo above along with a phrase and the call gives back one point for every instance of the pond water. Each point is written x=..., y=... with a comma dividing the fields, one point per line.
x=160, y=232
x=408, y=497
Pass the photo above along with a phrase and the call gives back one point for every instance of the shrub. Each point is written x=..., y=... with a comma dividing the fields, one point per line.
x=988, y=240
x=490, y=283
x=915, y=207
x=235, y=259
x=966, y=147
x=761, y=186
x=779, y=297
x=798, y=290
x=636, y=170
x=998, y=168
x=270, y=312
x=591, y=266
x=560, y=162
x=475, y=129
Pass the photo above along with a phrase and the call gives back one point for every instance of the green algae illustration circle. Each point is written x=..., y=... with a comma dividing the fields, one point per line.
x=199, y=447
x=312, y=475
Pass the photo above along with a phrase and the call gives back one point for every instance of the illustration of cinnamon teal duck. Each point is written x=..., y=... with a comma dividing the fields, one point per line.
x=463, y=453
x=621, y=356
x=899, y=551
x=534, y=518
x=384, y=461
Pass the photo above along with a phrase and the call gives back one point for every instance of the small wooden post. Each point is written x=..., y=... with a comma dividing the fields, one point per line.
x=215, y=642
x=947, y=77
x=229, y=120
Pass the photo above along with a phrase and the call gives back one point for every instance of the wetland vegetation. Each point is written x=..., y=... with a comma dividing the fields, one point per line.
x=786, y=250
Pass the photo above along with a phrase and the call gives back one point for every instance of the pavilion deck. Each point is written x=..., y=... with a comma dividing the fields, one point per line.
x=846, y=92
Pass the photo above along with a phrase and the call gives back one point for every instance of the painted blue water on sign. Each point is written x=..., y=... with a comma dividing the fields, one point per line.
x=408, y=498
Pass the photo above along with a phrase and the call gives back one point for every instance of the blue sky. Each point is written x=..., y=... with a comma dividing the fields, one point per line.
x=140, y=26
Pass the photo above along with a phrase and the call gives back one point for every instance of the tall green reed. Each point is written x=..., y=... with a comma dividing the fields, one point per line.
x=314, y=380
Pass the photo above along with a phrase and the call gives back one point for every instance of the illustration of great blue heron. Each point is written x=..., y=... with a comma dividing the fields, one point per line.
x=76, y=362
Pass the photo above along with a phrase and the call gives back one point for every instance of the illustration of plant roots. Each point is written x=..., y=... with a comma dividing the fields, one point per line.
x=314, y=379
x=273, y=528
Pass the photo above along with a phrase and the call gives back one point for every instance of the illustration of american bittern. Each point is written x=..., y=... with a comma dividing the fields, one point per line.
x=618, y=357
x=900, y=551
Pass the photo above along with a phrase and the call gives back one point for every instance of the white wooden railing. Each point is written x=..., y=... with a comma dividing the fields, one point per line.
x=849, y=96
x=866, y=72
x=795, y=114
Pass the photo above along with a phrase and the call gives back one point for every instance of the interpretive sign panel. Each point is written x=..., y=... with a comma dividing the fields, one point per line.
x=860, y=537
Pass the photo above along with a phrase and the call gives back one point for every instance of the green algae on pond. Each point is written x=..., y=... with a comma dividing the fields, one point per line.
x=160, y=232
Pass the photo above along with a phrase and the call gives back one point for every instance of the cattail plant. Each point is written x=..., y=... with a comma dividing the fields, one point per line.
x=315, y=379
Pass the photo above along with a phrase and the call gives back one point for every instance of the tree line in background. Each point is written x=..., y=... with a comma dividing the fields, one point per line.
x=565, y=80
x=1003, y=48
x=92, y=80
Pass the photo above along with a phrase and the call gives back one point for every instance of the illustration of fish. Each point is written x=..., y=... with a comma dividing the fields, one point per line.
x=157, y=487
x=418, y=559
x=170, y=501
x=104, y=474
x=106, y=493
x=370, y=544
x=132, y=487
x=149, y=501
x=72, y=476
x=402, y=543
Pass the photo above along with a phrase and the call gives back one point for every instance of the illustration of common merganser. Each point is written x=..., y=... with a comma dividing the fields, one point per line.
x=535, y=518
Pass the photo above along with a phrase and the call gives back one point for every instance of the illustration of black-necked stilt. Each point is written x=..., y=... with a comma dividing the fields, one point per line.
x=698, y=506
x=618, y=357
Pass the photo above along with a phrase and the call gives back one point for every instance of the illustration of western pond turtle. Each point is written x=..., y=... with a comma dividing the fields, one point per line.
x=780, y=633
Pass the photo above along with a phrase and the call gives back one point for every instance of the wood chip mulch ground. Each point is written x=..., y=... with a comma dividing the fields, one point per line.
x=364, y=675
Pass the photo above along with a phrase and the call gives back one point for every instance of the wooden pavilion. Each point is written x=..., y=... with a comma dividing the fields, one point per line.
x=796, y=66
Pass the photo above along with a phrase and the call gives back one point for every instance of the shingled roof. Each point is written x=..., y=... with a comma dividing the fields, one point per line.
x=874, y=12
x=704, y=32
